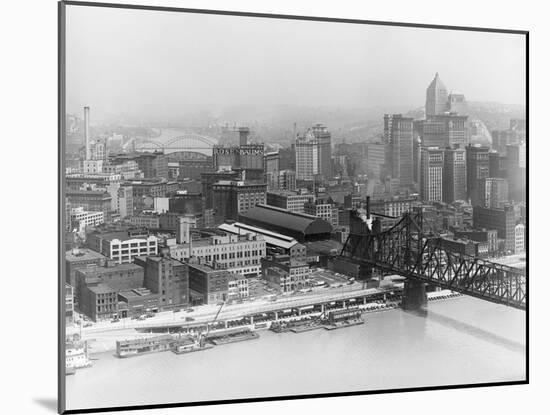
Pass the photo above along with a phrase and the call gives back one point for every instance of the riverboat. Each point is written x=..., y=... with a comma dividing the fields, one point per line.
x=76, y=356
x=139, y=346
x=343, y=318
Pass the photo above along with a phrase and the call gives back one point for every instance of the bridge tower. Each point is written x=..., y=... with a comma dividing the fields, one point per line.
x=414, y=295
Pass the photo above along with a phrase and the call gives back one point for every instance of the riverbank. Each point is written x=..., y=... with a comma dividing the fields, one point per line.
x=106, y=341
x=460, y=341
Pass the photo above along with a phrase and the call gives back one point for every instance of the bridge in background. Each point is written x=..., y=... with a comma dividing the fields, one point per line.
x=407, y=250
x=186, y=142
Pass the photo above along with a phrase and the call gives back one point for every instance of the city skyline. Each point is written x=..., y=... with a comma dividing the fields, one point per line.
x=281, y=235
x=327, y=64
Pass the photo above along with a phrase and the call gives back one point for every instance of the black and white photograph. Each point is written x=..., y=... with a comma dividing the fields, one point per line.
x=260, y=206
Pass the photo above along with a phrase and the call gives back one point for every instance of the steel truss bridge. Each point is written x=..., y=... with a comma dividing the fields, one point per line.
x=183, y=142
x=405, y=249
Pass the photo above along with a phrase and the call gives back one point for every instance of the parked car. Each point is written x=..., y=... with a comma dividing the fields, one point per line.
x=189, y=319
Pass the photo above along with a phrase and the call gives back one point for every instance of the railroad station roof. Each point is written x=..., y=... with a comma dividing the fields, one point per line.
x=299, y=222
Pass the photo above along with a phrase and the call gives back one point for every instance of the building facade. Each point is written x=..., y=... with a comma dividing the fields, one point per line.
x=293, y=201
x=399, y=132
x=323, y=138
x=283, y=276
x=120, y=247
x=431, y=174
x=232, y=198
x=307, y=156
x=503, y=220
x=519, y=231
x=477, y=169
x=494, y=192
x=166, y=277
x=238, y=254
x=211, y=284
x=454, y=175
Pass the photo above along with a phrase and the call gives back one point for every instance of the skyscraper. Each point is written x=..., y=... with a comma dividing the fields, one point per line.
x=307, y=156
x=516, y=155
x=494, y=192
x=477, y=168
x=436, y=97
x=454, y=175
x=457, y=103
x=445, y=130
x=431, y=174
x=323, y=137
x=399, y=132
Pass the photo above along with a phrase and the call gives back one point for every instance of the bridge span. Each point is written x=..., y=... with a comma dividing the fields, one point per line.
x=410, y=249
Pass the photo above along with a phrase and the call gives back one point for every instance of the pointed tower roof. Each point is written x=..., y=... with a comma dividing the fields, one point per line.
x=437, y=83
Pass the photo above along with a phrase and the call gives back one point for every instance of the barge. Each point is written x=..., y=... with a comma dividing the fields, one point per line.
x=295, y=326
x=343, y=318
x=188, y=345
x=231, y=336
x=301, y=329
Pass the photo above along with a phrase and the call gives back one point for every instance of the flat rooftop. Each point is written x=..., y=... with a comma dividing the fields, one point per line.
x=83, y=254
x=101, y=289
x=111, y=268
x=271, y=238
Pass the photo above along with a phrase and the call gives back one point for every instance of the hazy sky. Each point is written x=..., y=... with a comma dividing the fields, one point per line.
x=160, y=63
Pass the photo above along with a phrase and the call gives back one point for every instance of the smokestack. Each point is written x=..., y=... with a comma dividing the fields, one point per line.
x=368, y=207
x=87, y=131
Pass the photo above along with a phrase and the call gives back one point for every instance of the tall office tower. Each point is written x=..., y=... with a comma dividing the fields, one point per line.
x=286, y=180
x=477, y=169
x=519, y=128
x=271, y=169
x=400, y=135
x=376, y=159
x=494, y=192
x=454, y=175
x=87, y=131
x=307, y=156
x=388, y=118
x=500, y=139
x=436, y=97
x=323, y=137
x=445, y=130
x=431, y=174
x=497, y=165
x=457, y=103
x=516, y=155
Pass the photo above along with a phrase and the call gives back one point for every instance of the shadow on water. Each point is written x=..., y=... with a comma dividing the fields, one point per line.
x=469, y=329
x=48, y=403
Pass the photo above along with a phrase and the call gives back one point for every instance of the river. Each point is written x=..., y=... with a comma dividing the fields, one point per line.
x=460, y=340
